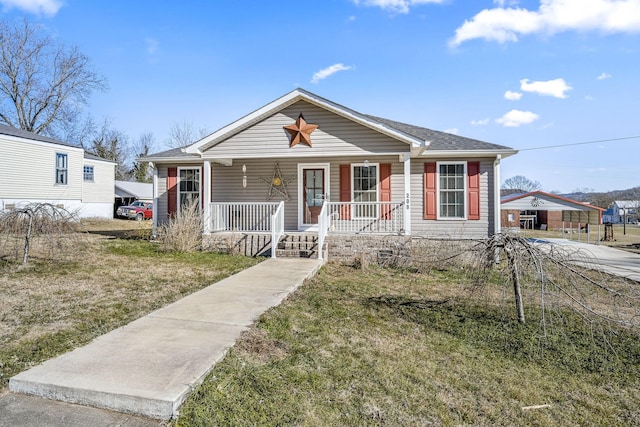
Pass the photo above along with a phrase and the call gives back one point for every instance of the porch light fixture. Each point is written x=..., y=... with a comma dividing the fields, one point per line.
x=366, y=163
x=244, y=176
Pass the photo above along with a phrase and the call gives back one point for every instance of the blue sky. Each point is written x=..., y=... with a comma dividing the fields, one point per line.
x=525, y=74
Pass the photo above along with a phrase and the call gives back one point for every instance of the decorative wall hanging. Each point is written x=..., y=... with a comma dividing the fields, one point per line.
x=300, y=131
x=278, y=183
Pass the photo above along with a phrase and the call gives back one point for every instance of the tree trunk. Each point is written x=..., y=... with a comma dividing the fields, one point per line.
x=515, y=278
x=27, y=240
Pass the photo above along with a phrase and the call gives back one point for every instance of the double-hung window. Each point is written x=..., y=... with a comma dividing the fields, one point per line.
x=87, y=173
x=452, y=190
x=188, y=186
x=365, y=189
x=62, y=163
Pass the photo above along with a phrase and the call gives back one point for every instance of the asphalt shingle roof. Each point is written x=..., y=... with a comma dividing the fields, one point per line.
x=439, y=140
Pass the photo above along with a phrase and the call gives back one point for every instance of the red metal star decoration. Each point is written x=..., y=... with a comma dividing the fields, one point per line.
x=300, y=131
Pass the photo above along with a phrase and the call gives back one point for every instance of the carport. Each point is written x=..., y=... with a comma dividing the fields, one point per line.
x=546, y=211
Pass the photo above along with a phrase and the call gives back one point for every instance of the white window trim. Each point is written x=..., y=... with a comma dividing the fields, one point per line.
x=353, y=191
x=93, y=173
x=178, y=180
x=466, y=191
x=66, y=169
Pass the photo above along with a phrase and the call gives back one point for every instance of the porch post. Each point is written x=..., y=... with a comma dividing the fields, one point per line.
x=154, y=228
x=406, y=158
x=207, y=197
x=497, y=213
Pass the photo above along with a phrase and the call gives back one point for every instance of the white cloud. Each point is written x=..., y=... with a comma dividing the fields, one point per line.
x=38, y=7
x=512, y=96
x=555, y=88
x=589, y=98
x=453, y=131
x=324, y=73
x=553, y=16
x=480, y=122
x=604, y=76
x=515, y=118
x=395, y=6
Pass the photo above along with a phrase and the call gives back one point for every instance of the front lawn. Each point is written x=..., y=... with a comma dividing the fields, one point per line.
x=48, y=308
x=394, y=347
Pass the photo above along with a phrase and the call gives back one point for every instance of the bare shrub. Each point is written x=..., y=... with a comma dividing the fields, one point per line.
x=40, y=229
x=183, y=232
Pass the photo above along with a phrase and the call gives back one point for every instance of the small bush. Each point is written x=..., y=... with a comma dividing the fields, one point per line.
x=183, y=232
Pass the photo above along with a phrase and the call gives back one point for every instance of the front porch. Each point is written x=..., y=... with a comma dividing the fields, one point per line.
x=263, y=223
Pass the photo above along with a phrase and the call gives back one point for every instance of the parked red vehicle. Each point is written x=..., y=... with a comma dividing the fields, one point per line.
x=137, y=210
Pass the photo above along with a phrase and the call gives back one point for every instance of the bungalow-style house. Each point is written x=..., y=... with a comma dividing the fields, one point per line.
x=304, y=164
x=37, y=168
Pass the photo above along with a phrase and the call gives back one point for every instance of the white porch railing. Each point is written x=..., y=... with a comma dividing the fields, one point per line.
x=365, y=217
x=277, y=228
x=255, y=217
x=323, y=227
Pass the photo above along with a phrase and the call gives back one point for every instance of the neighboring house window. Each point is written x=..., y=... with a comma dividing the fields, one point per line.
x=451, y=190
x=189, y=185
x=365, y=189
x=88, y=173
x=61, y=168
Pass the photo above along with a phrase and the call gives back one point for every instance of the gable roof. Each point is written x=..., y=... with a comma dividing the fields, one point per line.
x=418, y=138
x=24, y=134
x=564, y=201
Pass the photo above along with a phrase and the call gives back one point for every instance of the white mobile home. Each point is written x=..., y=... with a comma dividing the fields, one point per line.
x=37, y=168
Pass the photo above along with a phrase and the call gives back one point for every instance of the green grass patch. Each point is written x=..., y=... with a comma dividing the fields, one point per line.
x=389, y=347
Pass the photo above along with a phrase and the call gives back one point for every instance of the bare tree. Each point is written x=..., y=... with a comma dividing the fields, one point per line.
x=556, y=277
x=35, y=219
x=141, y=170
x=522, y=183
x=184, y=133
x=43, y=84
x=112, y=144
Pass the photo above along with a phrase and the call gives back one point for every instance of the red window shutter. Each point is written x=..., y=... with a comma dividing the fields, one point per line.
x=385, y=190
x=473, y=188
x=430, y=208
x=345, y=191
x=172, y=190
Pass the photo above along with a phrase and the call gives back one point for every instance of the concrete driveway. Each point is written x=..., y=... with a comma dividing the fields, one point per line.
x=604, y=258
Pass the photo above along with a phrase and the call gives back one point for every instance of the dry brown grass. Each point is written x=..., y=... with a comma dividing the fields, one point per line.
x=106, y=283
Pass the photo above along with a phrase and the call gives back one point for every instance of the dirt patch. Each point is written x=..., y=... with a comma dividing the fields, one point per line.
x=117, y=228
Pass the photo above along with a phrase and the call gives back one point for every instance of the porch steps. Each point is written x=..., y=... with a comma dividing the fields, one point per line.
x=298, y=245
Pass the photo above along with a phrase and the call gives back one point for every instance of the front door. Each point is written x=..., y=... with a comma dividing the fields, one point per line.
x=314, y=194
x=313, y=188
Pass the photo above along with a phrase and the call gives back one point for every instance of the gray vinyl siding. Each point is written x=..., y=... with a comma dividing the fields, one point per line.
x=28, y=171
x=227, y=181
x=335, y=136
x=452, y=228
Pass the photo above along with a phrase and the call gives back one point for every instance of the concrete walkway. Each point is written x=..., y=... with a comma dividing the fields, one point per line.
x=149, y=366
x=604, y=258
